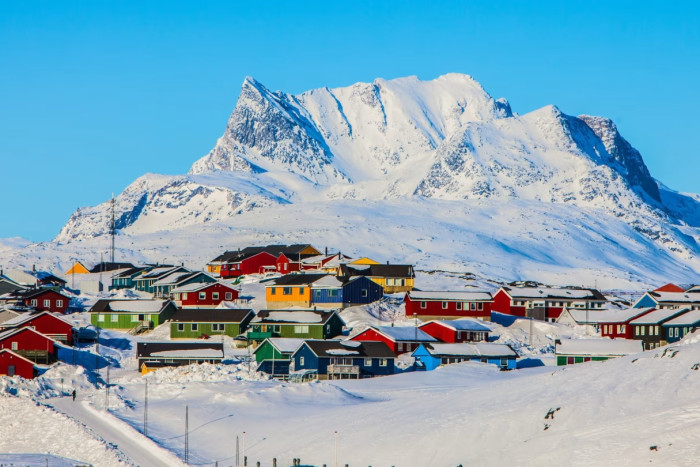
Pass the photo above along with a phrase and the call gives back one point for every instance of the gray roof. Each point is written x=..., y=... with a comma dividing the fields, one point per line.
x=335, y=348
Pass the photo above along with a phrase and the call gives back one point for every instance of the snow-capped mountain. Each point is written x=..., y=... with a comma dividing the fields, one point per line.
x=406, y=139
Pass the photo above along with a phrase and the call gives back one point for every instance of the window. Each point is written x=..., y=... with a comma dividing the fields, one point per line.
x=180, y=327
x=301, y=290
x=217, y=327
x=444, y=305
x=14, y=346
x=656, y=330
x=47, y=303
x=364, y=293
x=215, y=295
x=11, y=370
x=382, y=362
x=623, y=328
x=423, y=305
x=317, y=293
x=34, y=302
x=333, y=293
x=272, y=290
x=134, y=318
x=459, y=335
x=472, y=306
x=368, y=362
x=286, y=291
x=285, y=266
x=301, y=361
x=480, y=306
x=642, y=330
x=184, y=296
x=504, y=363
x=229, y=296
x=400, y=346
x=100, y=317
x=202, y=295
x=458, y=305
x=194, y=326
x=59, y=303
x=115, y=318
x=301, y=329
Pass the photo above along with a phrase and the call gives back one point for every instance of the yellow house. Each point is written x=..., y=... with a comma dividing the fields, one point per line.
x=364, y=260
x=78, y=268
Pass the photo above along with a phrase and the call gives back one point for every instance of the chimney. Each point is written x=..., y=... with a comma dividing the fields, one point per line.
x=326, y=251
x=34, y=268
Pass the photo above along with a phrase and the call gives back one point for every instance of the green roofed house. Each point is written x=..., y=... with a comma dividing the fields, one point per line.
x=274, y=355
x=571, y=351
x=133, y=315
x=302, y=324
x=195, y=323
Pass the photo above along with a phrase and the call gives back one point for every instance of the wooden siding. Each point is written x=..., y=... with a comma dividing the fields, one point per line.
x=299, y=295
x=230, y=329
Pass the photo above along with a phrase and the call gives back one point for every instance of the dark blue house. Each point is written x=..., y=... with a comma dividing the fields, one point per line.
x=677, y=328
x=430, y=356
x=328, y=291
x=334, y=359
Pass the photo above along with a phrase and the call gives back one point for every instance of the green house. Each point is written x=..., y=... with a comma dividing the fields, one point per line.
x=300, y=324
x=194, y=323
x=145, y=282
x=572, y=351
x=125, y=279
x=130, y=314
x=275, y=353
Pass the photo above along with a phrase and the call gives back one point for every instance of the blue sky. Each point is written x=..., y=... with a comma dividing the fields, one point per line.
x=95, y=94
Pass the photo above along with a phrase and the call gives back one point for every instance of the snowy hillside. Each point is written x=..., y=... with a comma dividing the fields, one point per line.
x=542, y=185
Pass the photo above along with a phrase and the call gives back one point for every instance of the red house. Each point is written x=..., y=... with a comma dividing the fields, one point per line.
x=544, y=303
x=12, y=364
x=428, y=305
x=612, y=323
x=203, y=295
x=28, y=343
x=457, y=331
x=248, y=263
x=40, y=299
x=399, y=339
x=45, y=322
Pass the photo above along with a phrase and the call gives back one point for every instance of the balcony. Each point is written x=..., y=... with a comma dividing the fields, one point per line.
x=352, y=370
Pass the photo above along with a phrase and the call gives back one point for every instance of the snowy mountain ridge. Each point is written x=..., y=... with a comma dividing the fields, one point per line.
x=407, y=140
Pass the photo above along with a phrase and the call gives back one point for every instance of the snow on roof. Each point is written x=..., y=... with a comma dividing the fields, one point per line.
x=286, y=344
x=137, y=306
x=405, y=333
x=172, y=278
x=291, y=317
x=342, y=352
x=606, y=316
x=547, y=292
x=598, y=347
x=688, y=318
x=463, y=324
x=195, y=286
x=191, y=353
x=157, y=271
x=24, y=317
x=659, y=315
x=476, y=295
x=484, y=349
x=678, y=297
x=327, y=281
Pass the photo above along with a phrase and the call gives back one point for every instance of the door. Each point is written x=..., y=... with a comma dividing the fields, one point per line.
x=10, y=370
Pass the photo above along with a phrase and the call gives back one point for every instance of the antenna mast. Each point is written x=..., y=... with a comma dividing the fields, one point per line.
x=112, y=228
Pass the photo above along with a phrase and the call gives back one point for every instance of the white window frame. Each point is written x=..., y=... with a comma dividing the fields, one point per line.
x=444, y=305
x=202, y=295
x=100, y=317
x=59, y=303
x=368, y=362
x=14, y=345
x=382, y=362
x=301, y=361
x=194, y=326
x=215, y=295
x=423, y=305
x=114, y=318
x=229, y=295
x=181, y=327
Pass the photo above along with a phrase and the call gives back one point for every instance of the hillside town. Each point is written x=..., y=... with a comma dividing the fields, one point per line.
x=283, y=308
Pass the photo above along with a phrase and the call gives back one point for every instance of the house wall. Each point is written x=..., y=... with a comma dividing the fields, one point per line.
x=325, y=298
x=311, y=361
x=646, y=302
x=267, y=351
x=250, y=265
x=193, y=299
x=434, y=309
x=502, y=304
x=54, y=299
x=299, y=295
x=406, y=286
x=353, y=292
x=51, y=326
x=23, y=368
x=372, y=335
x=676, y=333
x=573, y=359
x=130, y=320
x=230, y=329
x=285, y=265
x=28, y=341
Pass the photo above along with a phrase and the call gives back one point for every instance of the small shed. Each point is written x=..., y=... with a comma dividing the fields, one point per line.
x=152, y=355
x=12, y=364
x=571, y=351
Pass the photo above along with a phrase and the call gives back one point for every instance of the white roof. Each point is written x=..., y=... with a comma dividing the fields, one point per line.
x=342, y=352
x=690, y=317
x=676, y=297
x=465, y=324
x=476, y=295
x=157, y=271
x=20, y=277
x=326, y=281
x=549, y=292
x=286, y=344
x=598, y=347
x=291, y=317
x=659, y=315
x=605, y=316
x=188, y=353
x=173, y=278
x=405, y=333
x=482, y=349
x=137, y=306
x=24, y=317
x=195, y=286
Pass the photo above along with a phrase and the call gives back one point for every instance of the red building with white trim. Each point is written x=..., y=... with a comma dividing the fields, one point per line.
x=45, y=322
x=400, y=339
x=254, y=263
x=40, y=299
x=544, y=303
x=427, y=305
x=12, y=364
x=457, y=331
x=28, y=343
x=203, y=295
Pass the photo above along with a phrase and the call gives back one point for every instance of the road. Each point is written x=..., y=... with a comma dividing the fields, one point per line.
x=139, y=449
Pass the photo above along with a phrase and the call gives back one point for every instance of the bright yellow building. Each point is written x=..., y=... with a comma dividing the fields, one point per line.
x=364, y=260
x=78, y=268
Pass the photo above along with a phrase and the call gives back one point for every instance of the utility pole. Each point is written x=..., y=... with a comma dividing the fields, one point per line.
x=238, y=459
x=187, y=435
x=112, y=228
x=107, y=389
x=145, y=410
x=335, y=448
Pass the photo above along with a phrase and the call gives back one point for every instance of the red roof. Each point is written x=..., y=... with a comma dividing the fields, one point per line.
x=669, y=288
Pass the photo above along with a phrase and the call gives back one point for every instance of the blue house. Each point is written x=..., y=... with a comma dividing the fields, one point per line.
x=677, y=328
x=359, y=290
x=335, y=359
x=430, y=356
x=660, y=299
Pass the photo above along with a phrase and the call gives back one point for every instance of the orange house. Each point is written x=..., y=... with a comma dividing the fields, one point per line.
x=291, y=290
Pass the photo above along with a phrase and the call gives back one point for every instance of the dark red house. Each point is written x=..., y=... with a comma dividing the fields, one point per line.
x=544, y=303
x=203, y=295
x=427, y=305
x=28, y=343
x=41, y=299
x=12, y=364
x=400, y=339
x=251, y=263
x=45, y=322
x=457, y=331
